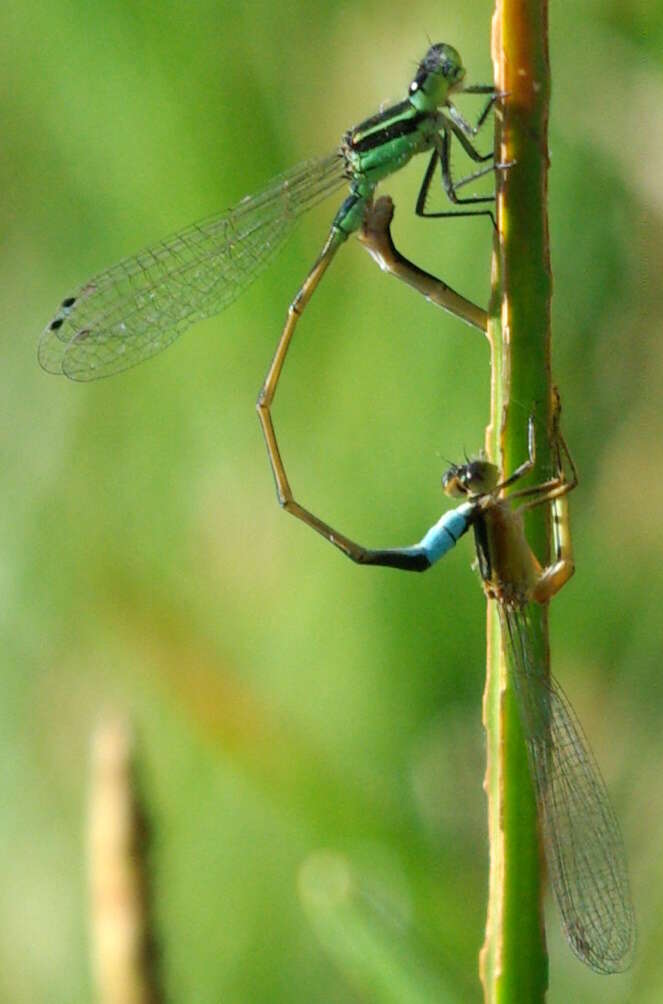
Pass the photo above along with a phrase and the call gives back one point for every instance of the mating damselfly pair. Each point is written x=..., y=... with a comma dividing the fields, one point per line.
x=137, y=308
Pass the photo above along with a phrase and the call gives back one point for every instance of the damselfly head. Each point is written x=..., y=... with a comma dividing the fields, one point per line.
x=477, y=477
x=439, y=72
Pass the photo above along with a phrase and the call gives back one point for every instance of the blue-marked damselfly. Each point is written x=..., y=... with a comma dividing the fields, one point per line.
x=581, y=836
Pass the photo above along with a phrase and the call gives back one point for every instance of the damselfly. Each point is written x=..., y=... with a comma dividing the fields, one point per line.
x=581, y=836
x=135, y=309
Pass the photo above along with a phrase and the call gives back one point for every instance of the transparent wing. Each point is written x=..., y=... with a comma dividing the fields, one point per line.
x=582, y=840
x=141, y=305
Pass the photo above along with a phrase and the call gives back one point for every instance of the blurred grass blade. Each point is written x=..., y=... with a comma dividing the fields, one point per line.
x=123, y=945
x=368, y=945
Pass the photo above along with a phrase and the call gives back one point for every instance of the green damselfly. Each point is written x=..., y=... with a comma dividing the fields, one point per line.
x=581, y=836
x=140, y=306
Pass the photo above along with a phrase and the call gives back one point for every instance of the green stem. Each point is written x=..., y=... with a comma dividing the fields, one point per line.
x=513, y=958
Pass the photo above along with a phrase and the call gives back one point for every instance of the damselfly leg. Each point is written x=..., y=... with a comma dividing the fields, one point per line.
x=458, y=126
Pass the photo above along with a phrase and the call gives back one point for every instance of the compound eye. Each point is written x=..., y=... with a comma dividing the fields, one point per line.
x=480, y=476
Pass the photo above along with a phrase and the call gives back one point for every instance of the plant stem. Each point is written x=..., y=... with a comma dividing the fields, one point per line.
x=513, y=959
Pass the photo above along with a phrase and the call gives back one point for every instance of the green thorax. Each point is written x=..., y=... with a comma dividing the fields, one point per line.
x=377, y=148
x=385, y=143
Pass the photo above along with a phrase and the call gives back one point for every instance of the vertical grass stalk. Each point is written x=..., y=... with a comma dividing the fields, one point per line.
x=513, y=961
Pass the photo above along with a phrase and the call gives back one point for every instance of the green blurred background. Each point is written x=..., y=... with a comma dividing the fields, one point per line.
x=285, y=700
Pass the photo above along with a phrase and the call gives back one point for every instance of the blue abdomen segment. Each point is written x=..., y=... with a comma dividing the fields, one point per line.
x=446, y=532
x=433, y=546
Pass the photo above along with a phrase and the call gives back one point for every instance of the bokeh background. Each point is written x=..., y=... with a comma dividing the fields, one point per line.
x=300, y=720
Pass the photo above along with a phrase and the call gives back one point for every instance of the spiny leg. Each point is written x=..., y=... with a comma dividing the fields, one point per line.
x=560, y=484
x=558, y=573
x=452, y=125
x=472, y=130
x=495, y=96
x=441, y=153
x=465, y=133
x=443, y=147
x=545, y=492
x=453, y=121
x=526, y=465
x=555, y=493
x=554, y=487
x=375, y=236
x=469, y=178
